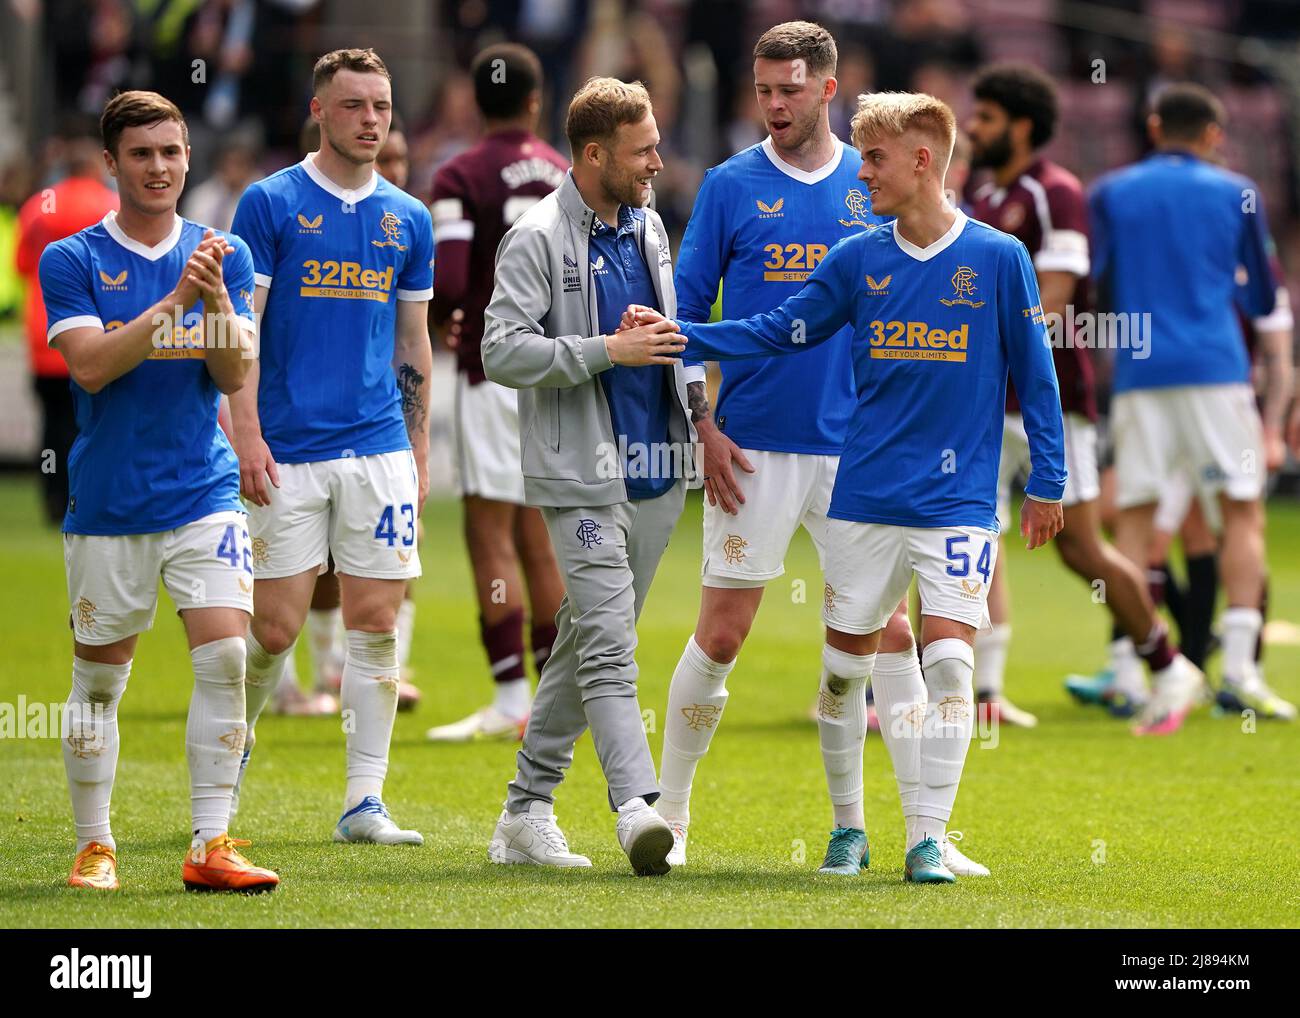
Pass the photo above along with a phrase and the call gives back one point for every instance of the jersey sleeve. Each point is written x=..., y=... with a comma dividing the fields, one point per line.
x=416, y=281
x=1259, y=295
x=1099, y=234
x=66, y=287
x=1029, y=356
x=253, y=225
x=453, y=226
x=804, y=320
x=1065, y=245
x=701, y=259
x=240, y=279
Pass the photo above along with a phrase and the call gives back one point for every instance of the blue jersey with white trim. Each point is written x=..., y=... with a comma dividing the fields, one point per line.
x=336, y=263
x=934, y=331
x=761, y=226
x=149, y=455
x=1171, y=235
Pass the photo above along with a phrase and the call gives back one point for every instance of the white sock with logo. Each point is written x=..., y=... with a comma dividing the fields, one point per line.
x=949, y=667
x=369, y=701
x=214, y=733
x=90, y=745
x=842, y=730
x=696, y=698
x=262, y=673
x=900, y=697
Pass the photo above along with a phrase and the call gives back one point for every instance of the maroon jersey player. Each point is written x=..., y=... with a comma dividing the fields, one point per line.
x=1044, y=206
x=476, y=197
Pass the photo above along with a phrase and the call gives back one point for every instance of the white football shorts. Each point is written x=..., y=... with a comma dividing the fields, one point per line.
x=486, y=424
x=787, y=490
x=360, y=509
x=869, y=566
x=1211, y=433
x=113, y=580
x=1083, y=480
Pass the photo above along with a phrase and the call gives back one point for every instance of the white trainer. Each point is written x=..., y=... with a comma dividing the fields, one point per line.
x=532, y=838
x=488, y=723
x=1178, y=689
x=646, y=838
x=677, y=857
x=956, y=861
x=368, y=821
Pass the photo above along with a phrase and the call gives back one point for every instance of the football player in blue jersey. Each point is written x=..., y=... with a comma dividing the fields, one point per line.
x=940, y=307
x=761, y=223
x=332, y=429
x=153, y=314
x=1183, y=399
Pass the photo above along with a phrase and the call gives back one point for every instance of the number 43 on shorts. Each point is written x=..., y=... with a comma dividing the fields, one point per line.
x=959, y=560
x=385, y=529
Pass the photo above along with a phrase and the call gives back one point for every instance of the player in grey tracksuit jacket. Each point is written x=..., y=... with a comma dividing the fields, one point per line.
x=542, y=337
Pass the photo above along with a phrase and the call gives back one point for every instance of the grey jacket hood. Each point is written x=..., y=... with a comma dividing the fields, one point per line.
x=540, y=337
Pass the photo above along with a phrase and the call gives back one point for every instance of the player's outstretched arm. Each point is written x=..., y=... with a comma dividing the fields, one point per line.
x=1029, y=356
x=413, y=366
x=95, y=356
x=810, y=317
x=257, y=468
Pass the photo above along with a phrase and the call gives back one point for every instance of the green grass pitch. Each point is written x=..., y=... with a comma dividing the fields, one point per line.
x=1081, y=823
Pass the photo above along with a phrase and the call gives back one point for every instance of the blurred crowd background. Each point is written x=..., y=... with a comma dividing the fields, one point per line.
x=241, y=72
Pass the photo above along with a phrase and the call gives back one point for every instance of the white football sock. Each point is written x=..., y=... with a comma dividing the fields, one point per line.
x=323, y=628
x=696, y=698
x=214, y=733
x=1240, y=628
x=949, y=668
x=991, y=658
x=262, y=673
x=513, y=698
x=405, y=631
x=90, y=746
x=369, y=701
x=1130, y=674
x=900, y=696
x=842, y=730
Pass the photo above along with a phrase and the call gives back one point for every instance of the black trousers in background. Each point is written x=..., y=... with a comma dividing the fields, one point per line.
x=57, y=433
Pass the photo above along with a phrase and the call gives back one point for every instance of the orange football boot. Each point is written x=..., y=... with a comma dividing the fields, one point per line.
x=218, y=866
x=95, y=867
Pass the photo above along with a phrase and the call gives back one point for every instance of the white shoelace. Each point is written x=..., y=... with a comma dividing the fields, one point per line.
x=549, y=831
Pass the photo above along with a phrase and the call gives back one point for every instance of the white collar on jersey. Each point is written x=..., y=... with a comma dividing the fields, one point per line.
x=924, y=254
x=341, y=193
x=804, y=176
x=143, y=250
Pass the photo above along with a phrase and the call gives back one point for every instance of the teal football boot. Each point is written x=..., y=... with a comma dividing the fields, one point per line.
x=924, y=865
x=1091, y=689
x=848, y=853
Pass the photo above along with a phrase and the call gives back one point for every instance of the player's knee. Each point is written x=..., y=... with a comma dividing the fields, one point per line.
x=721, y=642
x=1081, y=553
x=897, y=636
x=274, y=636
x=221, y=661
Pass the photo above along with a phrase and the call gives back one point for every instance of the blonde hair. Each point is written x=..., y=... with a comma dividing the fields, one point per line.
x=893, y=114
x=600, y=106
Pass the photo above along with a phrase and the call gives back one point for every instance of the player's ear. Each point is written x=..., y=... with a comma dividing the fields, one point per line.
x=110, y=164
x=1153, y=128
x=591, y=152
x=830, y=87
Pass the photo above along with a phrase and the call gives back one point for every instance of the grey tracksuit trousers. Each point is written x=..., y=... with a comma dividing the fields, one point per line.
x=608, y=555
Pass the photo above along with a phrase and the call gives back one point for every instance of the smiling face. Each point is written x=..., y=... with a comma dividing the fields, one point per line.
x=354, y=110
x=630, y=162
x=150, y=166
x=893, y=167
x=790, y=100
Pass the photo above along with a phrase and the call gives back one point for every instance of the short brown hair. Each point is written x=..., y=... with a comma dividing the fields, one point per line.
x=1186, y=110
x=137, y=109
x=363, y=61
x=893, y=113
x=600, y=107
x=799, y=40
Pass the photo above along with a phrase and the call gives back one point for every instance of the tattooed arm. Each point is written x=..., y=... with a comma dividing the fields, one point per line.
x=413, y=366
x=720, y=452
